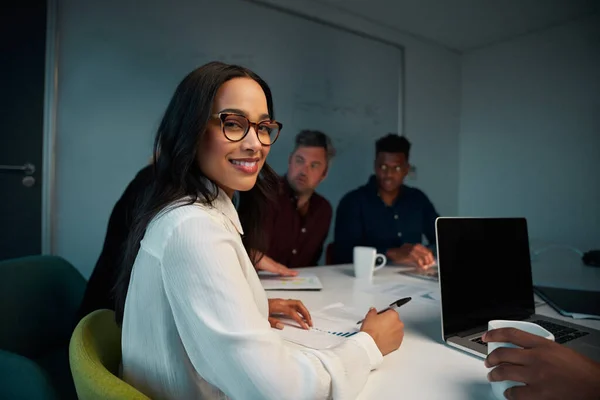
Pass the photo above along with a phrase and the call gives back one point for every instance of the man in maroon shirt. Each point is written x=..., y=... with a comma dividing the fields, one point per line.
x=300, y=221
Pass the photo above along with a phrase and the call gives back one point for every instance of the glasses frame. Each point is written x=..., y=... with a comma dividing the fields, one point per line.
x=223, y=115
x=384, y=168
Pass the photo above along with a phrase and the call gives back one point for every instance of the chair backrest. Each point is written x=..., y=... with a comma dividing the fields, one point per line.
x=95, y=355
x=329, y=254
x=39, y=299
x=21, y=378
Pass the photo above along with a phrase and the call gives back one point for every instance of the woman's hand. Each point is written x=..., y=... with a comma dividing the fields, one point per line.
x=266, y=263
x=291, y=308
x=386, y=329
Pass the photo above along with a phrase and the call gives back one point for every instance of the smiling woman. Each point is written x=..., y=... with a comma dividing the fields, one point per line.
x=228, y=155
x=196, y=322
x=194, y=156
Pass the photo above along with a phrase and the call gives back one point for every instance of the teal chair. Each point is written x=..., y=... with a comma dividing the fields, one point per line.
x=21, y=378
x=39, y=300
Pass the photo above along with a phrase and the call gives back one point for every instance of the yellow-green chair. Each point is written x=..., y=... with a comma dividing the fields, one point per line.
x=95, y=355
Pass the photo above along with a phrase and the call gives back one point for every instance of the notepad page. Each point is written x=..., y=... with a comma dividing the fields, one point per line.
x=300, y=282
x=312, y=338
x=331, y=326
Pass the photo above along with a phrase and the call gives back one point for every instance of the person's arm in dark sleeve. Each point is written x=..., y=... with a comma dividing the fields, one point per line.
x=325, y=224
x=99, y=289
x=269, y=226
x=429, y=216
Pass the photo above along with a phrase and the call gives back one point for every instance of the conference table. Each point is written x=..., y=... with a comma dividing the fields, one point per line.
x=424, y=367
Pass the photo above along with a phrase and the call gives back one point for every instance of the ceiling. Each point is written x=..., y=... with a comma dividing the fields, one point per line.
x=464, y=25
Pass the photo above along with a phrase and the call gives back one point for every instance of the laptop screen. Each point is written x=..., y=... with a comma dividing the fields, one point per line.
x=484, y=272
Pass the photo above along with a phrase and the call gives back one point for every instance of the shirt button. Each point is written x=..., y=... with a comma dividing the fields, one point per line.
x=396, y=216
x=303, y=230
x=399, y=234
x=294, y=251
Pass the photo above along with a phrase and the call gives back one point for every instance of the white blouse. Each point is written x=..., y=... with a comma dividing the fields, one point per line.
x=196, y=324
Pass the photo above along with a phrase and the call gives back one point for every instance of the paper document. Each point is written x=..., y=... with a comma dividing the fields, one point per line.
x=331, y=326
x=577, y=304
x=397, y=290
x=300, y=282
x=434, y=296
x=313, y=339
x=394, y=291
x=340, y=312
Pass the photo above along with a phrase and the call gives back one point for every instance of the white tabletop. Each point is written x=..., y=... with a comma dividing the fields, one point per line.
x=424, y=367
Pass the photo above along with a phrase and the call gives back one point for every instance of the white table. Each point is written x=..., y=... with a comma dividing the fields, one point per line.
x=424, y=367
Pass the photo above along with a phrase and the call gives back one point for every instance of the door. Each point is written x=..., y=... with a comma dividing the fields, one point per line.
x=22, y=70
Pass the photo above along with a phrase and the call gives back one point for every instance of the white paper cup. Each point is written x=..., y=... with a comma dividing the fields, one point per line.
x=499, y=387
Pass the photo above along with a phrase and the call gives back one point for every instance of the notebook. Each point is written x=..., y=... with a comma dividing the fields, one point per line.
x=570, y=302
x=300, y=282
x=331, y=326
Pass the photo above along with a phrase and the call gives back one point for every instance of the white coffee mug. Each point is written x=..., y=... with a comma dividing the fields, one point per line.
x=365, y=259
x=499, y=387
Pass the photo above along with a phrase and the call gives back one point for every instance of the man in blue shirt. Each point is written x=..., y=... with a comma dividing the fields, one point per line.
x=385, y=213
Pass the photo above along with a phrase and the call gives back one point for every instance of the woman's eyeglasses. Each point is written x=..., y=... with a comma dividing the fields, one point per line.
x=235, y=128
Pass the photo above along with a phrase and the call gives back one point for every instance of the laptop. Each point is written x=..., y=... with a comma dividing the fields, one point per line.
x=430, y=274
x=485, y=274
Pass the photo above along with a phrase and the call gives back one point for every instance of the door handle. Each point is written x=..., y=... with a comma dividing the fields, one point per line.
x=27, y=168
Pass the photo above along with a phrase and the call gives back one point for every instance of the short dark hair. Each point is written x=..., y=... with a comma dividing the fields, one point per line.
x=311, y=138
x=393, y=143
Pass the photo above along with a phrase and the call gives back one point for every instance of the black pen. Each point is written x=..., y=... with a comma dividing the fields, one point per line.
x=393, y=306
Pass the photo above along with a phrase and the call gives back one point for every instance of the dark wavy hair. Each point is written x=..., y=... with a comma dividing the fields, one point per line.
x=178, y=176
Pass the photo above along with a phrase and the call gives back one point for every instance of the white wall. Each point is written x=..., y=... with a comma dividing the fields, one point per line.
x=432, y=116
x=530, y=133
x=95, y=67
x=432, y=91
x=115, y=80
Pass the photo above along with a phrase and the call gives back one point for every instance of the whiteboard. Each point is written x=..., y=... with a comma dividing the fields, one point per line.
x=119, y=63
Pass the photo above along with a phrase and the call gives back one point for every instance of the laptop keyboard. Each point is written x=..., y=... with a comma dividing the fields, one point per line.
x=478, y=340
x=430, y=274
x=562, y=334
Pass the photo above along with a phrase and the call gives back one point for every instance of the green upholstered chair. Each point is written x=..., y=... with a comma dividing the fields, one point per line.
x=39, y=300
x=21, y=378
x=95, y=355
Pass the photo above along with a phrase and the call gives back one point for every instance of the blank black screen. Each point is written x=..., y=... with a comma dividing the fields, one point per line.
x=485, y=271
